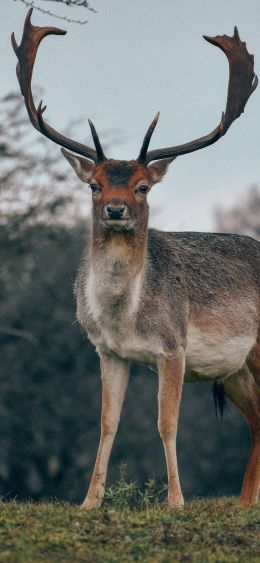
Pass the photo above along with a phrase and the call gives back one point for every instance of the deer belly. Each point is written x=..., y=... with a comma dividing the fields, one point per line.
x=211, y=354
x=130, y=347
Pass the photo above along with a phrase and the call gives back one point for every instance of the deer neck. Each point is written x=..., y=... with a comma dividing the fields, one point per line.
x=116, y=272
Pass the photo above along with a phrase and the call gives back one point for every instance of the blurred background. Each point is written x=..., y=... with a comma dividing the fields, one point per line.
x=119, y=68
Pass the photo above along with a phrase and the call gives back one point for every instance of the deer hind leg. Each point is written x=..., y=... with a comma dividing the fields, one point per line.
x=243, y=389
x=171, y=374
x=114, y=374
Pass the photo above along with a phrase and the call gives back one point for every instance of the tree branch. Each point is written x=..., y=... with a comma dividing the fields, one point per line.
x=70, y=3
x=18, y=333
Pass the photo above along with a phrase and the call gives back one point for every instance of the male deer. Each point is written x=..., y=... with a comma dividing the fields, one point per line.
x=185, y=304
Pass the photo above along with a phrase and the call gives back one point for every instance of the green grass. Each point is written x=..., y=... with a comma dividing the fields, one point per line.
x=132, y=526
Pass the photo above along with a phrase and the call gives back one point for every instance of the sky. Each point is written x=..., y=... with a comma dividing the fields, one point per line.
x=134, y=58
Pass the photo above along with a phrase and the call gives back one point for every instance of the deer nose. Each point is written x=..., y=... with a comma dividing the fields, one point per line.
x=115, y=212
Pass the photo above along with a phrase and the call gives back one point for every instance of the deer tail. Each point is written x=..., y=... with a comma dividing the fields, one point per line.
x=219, y=397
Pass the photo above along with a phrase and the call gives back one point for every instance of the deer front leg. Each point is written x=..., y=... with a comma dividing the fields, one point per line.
x=171, y=374
x=114, y=375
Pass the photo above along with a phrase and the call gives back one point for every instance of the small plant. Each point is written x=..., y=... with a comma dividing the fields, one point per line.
x=130, y=495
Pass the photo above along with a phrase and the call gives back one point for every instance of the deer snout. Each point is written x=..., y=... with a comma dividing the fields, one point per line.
x=116, y=210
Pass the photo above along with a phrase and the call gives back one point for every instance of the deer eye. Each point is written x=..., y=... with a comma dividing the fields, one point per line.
x=95, y=188
x=143, y=189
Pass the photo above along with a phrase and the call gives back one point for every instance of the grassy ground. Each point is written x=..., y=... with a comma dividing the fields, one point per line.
x=205, y=530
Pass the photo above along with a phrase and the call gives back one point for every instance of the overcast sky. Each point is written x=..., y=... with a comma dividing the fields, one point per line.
x=135, y=58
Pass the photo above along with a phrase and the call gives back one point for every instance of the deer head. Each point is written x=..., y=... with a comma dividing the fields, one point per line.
x=120, y=187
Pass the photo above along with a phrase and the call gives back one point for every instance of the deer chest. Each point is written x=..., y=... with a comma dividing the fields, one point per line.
x=113, y=310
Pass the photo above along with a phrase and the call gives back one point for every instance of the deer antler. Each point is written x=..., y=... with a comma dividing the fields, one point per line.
x=242, y=83
x=26, y=54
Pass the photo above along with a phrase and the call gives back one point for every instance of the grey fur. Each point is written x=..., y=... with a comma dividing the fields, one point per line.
x=209, y=279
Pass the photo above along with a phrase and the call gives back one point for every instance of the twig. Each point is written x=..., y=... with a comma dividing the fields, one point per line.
x=31, y=4
x=71, y=3
x=17, y=332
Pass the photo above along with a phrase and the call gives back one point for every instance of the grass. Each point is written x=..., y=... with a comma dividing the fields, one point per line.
x=133, y=525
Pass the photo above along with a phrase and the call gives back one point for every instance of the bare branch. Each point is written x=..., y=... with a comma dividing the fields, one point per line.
x=69, y=3
x=10, y=331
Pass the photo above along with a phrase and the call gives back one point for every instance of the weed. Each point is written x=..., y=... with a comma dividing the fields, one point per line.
x=129, y=495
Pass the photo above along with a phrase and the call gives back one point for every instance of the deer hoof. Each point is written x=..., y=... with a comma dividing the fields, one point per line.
x=91, y=504
x=175, y=503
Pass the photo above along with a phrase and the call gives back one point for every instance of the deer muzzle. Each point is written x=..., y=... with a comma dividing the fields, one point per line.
x=116, y=210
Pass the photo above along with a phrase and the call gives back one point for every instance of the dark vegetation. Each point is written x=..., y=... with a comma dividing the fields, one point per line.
x=49, y=381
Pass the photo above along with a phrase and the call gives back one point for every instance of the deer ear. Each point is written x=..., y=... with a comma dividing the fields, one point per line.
x=82, y=166
x=158, y=169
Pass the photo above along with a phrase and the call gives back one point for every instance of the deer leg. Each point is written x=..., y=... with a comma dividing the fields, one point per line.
x=171, y=374
x=244, y=391
x=114, y=375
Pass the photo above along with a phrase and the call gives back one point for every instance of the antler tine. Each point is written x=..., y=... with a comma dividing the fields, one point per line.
x=147, y=138
x=100, y=153
x=242, y=83
x=26, y=54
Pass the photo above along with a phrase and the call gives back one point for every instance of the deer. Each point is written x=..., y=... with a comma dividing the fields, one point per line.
x=186, y=304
